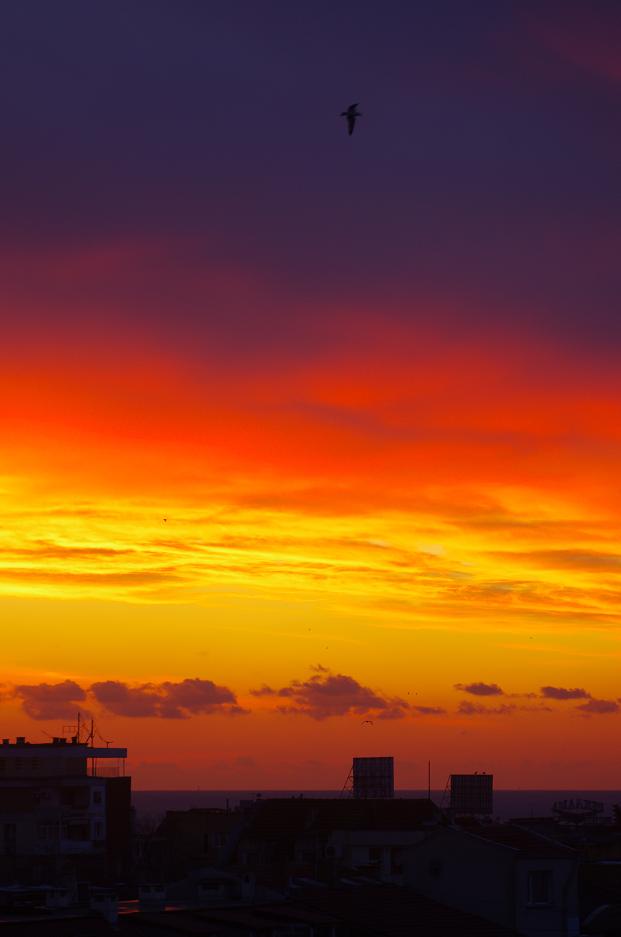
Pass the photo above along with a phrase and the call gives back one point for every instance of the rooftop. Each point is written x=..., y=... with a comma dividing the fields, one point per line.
x=391, y=911
x=72, y=747
x=286, y=818
x=523, y=841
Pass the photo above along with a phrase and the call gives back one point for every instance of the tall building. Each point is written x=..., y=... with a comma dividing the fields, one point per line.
x=65, y=811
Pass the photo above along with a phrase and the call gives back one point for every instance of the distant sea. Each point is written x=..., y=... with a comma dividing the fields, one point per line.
x=507, y=804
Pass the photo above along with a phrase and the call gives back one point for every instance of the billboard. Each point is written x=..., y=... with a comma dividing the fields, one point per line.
x=373, y=778
x=472, y=793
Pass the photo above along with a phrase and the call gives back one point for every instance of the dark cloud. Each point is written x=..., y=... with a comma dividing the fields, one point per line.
x=50, y=700
x=264, y=690
x=559, y=692
x=166, y=700
x=475, y=709
x=429, y=710
x=326, y=694
x=599, y=707
x=480, y=689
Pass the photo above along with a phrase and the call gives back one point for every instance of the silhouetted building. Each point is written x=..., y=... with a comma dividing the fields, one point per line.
x=189, y=839
x=64, y=812
x=503, y=873
x=323, y=838
x=597, y=841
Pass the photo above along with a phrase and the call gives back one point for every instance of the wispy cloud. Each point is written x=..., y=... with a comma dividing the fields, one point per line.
x=586, y=561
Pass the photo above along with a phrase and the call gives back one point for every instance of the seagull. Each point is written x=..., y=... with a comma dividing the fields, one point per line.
x=351, y=113
x=367, y=722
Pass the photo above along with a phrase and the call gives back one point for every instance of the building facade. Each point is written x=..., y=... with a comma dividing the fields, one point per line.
x=65, y=811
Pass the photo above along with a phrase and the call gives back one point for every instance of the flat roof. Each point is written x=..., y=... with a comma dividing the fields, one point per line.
x=52, y=749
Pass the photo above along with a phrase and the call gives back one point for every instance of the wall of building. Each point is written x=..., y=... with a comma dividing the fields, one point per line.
x=464, y=873
x=46, y=823
x=488, y=879
x=561, y=916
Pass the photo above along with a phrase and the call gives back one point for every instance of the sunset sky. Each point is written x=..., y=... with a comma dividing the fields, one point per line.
x=301, y=430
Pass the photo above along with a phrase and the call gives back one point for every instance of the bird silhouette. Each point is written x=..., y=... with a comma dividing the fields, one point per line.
x=367, y=722
x=351, y=113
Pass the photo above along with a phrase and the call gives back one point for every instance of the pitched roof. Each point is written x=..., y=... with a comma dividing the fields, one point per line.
x=525, y=842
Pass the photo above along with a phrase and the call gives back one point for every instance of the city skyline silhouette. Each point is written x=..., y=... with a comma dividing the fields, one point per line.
x=311, y=443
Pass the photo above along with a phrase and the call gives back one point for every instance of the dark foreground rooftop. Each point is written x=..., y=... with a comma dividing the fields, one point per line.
x=362, y=911
x=389, y=911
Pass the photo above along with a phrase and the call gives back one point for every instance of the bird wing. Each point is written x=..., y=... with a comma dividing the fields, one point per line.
x=351, y=123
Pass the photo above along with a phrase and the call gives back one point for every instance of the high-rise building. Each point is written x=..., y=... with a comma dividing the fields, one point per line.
x=65, y=809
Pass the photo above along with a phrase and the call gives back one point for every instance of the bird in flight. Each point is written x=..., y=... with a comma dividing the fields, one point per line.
x=351, y=113
x=367, y=722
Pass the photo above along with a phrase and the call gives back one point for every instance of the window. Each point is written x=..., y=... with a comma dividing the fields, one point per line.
x=540, y=887
x=97, y=798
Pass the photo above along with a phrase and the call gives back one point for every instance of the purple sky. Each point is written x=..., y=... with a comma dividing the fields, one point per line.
x=483, y=176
